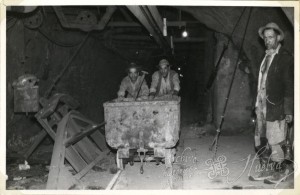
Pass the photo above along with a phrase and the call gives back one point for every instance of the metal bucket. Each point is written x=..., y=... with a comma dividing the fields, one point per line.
x=26, y=94
x=26, y=99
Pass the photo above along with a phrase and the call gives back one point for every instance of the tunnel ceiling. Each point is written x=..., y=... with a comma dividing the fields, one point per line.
x=129, y=28
x=224, y=19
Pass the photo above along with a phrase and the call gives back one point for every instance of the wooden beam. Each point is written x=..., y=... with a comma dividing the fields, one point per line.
x=146, y=17
x=78, y=136
x=148, y=38
x=40, y=137
x=132, y=38
x=289, y=12
x=191, y=39
x=137, y=12
x=135, y=24
x=90, y=165
x=85, y=27
x=58, y=155
x=125, y=14
x=156, y=16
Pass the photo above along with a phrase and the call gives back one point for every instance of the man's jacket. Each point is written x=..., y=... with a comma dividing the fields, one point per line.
x=280, y=86
x=132, y=88
x=157, y=79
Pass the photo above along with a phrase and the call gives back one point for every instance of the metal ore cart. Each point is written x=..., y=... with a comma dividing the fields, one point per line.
x=143, y=130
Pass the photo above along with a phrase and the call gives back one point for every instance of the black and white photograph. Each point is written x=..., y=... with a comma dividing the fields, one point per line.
x=158, y=96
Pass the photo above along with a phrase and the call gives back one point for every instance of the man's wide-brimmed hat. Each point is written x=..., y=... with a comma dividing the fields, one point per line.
x=271, y=25
x=133, y=65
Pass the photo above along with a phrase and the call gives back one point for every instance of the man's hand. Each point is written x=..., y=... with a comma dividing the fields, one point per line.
x=175, y=93
x=151, y=96
x=144, y=98
x=129, y=99
x=120, y=98
x=289, y=118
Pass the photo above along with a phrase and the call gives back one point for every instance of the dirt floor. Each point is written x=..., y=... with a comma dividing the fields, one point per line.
x=193, y=167
x=36, y=177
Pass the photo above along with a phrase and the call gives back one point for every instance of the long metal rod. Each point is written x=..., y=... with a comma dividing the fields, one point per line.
x=214, y=73
x=48, y=92
x=215, y=141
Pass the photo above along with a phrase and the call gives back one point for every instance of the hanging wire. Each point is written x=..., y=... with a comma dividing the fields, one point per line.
x=10, y=22
x=215, y=141
x=214, y=73
x=51, y=39
x=236, y=24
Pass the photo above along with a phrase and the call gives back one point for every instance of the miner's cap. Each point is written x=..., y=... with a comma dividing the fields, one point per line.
x=133, y=65
x=271, y=25
x=163, y=62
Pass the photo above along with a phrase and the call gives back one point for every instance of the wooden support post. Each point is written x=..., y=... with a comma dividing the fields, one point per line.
x=58, y=155
x=136, y=10
x=41, y=136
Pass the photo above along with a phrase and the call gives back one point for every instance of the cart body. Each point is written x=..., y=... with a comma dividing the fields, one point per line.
x=143, y=125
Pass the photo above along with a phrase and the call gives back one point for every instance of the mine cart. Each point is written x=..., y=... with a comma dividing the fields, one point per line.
x=143, y=130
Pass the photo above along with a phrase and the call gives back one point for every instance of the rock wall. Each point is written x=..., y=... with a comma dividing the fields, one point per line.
x=238, y=110
x=92, y=78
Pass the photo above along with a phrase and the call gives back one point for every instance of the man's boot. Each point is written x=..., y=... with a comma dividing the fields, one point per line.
x=280, y=175
x=265, y=173
x=264, y=156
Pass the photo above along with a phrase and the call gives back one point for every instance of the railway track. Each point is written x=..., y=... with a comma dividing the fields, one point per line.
x=153, y=178
x=114, y=180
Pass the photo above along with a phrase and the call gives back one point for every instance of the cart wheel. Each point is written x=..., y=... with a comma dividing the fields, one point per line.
x=120, y=164
x=141, y=170
x=131, y=162
x=169, y=157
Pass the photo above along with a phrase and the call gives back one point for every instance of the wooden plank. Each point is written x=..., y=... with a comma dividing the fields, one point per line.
x=87, y=131
x=75, y=160
x=137, y=12
x=99, y=140
x=37, y=141
x=84, y=149
x=101, y=143
x=49, y=130
x=72, y=156
x=157, y=17
x=89, y=166
x=86, y=145
x=58, y=155
x=80, y=148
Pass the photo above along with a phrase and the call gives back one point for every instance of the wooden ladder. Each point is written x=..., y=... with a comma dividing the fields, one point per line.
x=76, y=139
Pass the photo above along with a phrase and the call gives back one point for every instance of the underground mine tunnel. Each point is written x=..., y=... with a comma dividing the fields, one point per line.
x=64, y=67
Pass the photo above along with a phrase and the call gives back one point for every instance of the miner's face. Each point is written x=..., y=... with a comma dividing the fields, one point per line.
x=133, y=74
x=164, y=70
x=271, y=39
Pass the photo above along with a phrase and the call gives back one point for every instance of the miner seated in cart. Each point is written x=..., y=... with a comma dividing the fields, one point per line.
x=165, y=82
x=133, y=86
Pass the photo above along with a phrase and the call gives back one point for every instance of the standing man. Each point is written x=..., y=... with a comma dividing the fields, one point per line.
x=165, y=81
x=133, y=84
x=274, y=104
